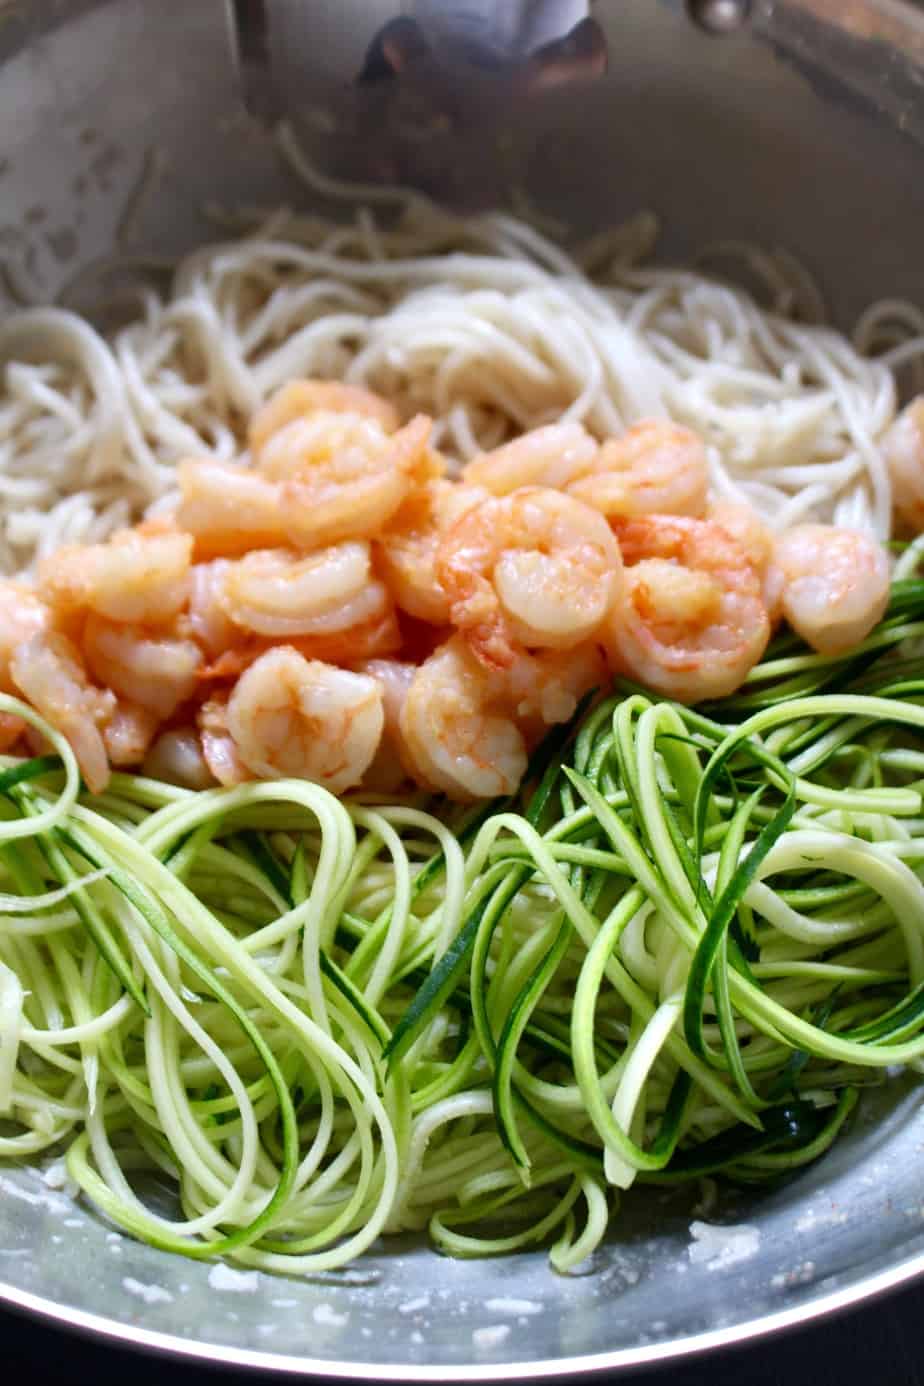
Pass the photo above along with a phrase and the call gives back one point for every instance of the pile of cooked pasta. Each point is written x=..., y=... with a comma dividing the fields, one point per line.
x=481, y=323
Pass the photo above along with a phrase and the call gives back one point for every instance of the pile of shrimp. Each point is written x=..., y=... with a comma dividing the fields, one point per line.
x=338, y=609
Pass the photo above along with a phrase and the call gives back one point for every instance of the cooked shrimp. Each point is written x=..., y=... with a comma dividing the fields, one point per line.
x=655, y=467
x=903, y=450
x=228, y=509
x=316, y=440
x=206, y=620
x=128, y=733
x=692, y=622
x=154, y=670
x=22, y=615
x=835, y=584
x=138, y=575
x=535, y=568
x=219, y=751
x=380, y=636
x=747, y=529
x=389, y=768
x=544, y=688
x=49, y=673
x=334, y=492
x=456, y=727
x=177, y=757
x=551, y=456
x=302, y=399
x=407, y=551
x=276, y=592
x=289, y=716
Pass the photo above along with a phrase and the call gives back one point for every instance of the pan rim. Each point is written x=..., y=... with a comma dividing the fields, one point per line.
x=100, y=1327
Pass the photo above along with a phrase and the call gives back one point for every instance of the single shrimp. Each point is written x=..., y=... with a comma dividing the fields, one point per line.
x=903, y=449
x=228, y=509
x=692, y=622
x=277, y=592
x=157, y=671
x=301, y=399
x=49, y=673
x=177, y=757
x=128, y=733
x=407, y=551
x=554, y=456
x=456, y=728
x=836, y=584
x=656, y=467
x=316, y=440
x=535, y=568
x=289, y=716
x=137, y=575
x=389, y=768
x=219, y=750
x=335, y=492
x=745, y=526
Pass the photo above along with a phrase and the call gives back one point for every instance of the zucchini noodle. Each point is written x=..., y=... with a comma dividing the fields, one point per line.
x=682, y=950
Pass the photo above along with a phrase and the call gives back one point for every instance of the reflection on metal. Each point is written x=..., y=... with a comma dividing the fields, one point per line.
x=443, y=94
x=555, y=41
x=417, y=92
x=248, y=25
x=885, y=21
x=529, y=49
x=720, y=16
x=865, y=53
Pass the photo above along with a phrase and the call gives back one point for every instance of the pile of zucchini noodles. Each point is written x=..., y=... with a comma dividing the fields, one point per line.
x=679, y=952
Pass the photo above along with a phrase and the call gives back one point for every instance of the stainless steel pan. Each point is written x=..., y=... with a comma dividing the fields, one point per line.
x=796, y=123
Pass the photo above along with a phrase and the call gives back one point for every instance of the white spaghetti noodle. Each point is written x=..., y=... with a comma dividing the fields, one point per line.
x=483, y=323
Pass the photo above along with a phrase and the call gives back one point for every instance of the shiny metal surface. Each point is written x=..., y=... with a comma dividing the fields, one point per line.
x=850, y=1226
x=720, y=16
x=801, y=128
